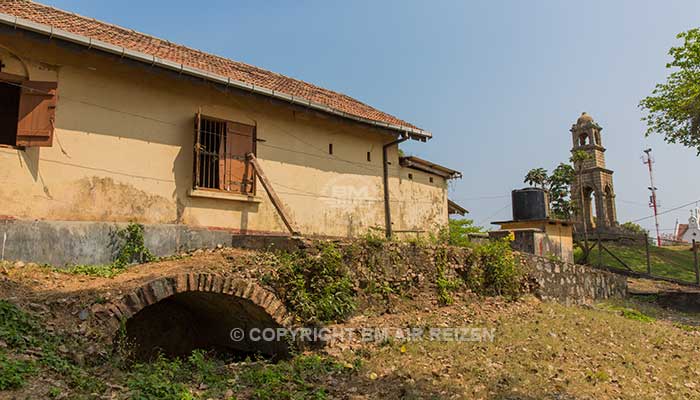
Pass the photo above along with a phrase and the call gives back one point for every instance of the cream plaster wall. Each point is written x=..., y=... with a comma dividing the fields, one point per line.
x=123, y=142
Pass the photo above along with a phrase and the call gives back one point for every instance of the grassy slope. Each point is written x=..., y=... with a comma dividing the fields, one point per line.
x=540, y=351
x=550, y=351
x=672, y=262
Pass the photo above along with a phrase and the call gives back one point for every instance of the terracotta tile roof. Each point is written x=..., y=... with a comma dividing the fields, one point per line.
x=132, y=40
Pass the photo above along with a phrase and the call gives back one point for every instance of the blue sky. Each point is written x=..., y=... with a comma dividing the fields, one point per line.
x=499, y=83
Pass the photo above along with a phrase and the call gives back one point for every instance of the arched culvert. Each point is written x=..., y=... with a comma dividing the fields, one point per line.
x=199, y=311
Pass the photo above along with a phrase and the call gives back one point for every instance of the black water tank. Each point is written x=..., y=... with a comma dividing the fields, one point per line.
x=530, y=204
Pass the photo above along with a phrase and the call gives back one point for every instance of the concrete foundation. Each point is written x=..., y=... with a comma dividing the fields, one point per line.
x=61, y=243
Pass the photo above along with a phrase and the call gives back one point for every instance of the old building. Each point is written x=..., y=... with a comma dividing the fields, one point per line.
x=533, y=229
x=593, y=186
x=101, y=124
x=688, y=232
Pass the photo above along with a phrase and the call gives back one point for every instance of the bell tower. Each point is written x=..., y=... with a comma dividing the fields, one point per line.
x=594, y=186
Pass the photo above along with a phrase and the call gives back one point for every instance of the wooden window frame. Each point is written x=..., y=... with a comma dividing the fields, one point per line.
x=226, y=157
x=36, y=111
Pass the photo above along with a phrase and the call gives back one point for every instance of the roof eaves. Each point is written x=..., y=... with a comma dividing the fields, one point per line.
x=430, y=167
x=454, y=208
x=52, y=32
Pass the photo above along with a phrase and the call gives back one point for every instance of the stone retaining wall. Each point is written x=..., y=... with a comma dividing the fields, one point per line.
x=572, y=283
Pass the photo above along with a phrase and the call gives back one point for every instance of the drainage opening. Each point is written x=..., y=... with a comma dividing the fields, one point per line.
x=179, y=324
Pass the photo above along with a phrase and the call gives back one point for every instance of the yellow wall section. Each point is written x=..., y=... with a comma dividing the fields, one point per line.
x=123, y=142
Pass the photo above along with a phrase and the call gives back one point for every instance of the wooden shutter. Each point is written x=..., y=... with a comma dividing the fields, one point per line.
x=240, y=140
x=37, y=112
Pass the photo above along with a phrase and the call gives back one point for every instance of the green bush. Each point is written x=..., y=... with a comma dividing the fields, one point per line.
x=497, y=271
x=457, y=232
x=445, y=286
x=316, y=287
x=133, y=248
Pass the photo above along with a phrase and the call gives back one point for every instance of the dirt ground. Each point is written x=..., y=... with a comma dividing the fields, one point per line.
x=625, y=349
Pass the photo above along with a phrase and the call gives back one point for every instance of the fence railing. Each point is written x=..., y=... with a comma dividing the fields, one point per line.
x=639, y=256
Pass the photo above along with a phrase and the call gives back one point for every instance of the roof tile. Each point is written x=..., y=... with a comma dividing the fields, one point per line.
x=164, y=49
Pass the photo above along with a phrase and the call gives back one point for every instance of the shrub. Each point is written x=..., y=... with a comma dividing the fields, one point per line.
x=457, y=232
x=497, y=271
x=133, y=248
x=445, y=285
x=316, y=287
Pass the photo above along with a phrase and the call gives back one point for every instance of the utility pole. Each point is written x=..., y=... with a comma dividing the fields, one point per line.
x=652, y=201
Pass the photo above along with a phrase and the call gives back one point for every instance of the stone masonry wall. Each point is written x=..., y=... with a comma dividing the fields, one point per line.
x=571, y=283
x=412, y=268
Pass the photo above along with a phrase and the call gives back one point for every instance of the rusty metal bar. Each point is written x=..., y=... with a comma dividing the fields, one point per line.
x=614, y=256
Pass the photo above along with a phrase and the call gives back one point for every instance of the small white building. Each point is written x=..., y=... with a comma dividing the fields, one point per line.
x=690, y=231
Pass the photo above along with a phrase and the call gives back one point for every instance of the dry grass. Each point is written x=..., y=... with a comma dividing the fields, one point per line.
x=545, y=350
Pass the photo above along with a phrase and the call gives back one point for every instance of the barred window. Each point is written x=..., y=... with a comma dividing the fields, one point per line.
x=220, y=155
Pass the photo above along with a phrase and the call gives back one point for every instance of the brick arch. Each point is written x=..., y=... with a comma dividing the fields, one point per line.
x=113, y=313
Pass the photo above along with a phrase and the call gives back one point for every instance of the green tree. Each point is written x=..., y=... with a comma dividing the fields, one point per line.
x=559, y=190
x=557, y=185
x=673, y=109
x=459, y=230
x=536, y=177
x=633, y=228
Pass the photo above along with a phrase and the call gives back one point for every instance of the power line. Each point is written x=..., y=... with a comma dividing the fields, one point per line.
x=667, y=211
x=493, y=215
x=322, y=152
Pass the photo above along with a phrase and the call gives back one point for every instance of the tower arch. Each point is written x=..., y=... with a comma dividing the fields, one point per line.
x=593, y=188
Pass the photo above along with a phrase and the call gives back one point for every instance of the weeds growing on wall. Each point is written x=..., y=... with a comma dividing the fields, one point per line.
x=374, y=239
x=132, y=250
x=496, y=270
x=316, y=287
x=445, y=285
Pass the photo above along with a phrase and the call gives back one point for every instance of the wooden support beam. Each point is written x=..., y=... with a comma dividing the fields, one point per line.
x=273, y=195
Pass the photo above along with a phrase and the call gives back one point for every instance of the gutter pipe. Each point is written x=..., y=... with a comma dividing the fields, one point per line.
x=51, y=32
x=385, y=163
